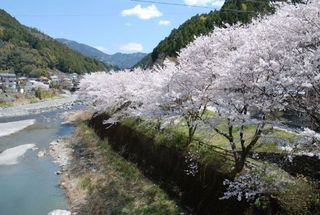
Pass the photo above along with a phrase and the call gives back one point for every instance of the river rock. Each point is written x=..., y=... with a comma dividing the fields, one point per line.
x=59, y=212
x=41, y=154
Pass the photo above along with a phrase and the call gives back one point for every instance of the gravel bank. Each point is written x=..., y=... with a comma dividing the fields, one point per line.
x=39, y=107
x=9, y=128
x=61, y=152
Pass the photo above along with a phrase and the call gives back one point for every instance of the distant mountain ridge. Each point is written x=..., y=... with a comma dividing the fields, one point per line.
x=28, y=52
x=120, y=60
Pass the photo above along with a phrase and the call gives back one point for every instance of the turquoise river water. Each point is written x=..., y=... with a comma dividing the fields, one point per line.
x=31, y=186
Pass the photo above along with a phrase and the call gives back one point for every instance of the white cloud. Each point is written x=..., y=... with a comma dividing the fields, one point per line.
x=164, y=22
x=143, y=13
x=217, y=4
x=132, y=47
x=214, y=3
x=128, y=24
x=101, y=48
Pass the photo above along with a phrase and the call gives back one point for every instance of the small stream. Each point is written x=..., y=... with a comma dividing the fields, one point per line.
x=31, y=186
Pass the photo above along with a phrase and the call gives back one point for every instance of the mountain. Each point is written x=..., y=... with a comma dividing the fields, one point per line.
x=120, y=60
x=27, y=51
x=232, y=11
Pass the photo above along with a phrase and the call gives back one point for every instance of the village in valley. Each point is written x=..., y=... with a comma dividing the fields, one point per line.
x=13, y=88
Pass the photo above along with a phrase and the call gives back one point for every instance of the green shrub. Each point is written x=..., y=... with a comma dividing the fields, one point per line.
x=44, y=94
x=299, y=197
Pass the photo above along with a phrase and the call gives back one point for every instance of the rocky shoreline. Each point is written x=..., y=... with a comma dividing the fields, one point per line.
x=61, y=152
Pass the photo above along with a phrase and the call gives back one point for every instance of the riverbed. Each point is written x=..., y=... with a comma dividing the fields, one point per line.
x=29, y=185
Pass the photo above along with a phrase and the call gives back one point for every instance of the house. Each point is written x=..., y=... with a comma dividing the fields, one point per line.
x=75, y=80
x=23, y=85
x=8, y=81
x=38, y=84
x=74, y=77
x=54, y=78
x=43, y=79
x=66, y=83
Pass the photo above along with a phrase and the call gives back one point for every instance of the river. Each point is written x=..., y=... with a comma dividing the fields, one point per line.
x=30, y=187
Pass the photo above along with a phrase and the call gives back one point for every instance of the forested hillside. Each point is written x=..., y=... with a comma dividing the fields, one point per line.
x=232, y=11
x=27, y=51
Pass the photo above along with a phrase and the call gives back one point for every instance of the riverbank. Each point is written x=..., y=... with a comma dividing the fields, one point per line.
x=42, y=106
x=195, y=174
x=10, y=99
x=99, y=181
x=61, y=152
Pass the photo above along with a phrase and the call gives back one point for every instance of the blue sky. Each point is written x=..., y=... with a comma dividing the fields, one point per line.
x=110, y=25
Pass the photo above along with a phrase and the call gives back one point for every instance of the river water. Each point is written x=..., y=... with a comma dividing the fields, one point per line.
x=30, y=187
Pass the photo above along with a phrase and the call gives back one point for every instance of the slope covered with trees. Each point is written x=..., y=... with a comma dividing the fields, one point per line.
x=27, y=51
x=232, y=11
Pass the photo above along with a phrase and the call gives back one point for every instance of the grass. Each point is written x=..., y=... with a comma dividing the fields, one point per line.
x=209, y=136
x=34, y=100
x=299, y=197
x=118, y=187
x=170, y=136
x=44, y=94
x=204, y=134
x=176, y=137
x=249, y=131
x=215, y=153
x=30, y=97
x=294, y=188
x=6, y=104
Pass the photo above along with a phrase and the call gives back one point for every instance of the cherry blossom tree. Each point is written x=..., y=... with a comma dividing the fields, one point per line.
x=187, y=95
x=243, y=71
x=249, y=71
x=124, y=93
x=232, y=95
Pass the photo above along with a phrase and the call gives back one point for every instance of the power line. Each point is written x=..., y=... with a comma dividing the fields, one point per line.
x=154, y=2
x=67, y=15
x=198, y=6
x=174, y=4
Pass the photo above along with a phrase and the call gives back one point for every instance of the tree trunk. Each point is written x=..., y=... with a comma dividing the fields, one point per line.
x=158, y=125
x=239, y=165
x=191, y=131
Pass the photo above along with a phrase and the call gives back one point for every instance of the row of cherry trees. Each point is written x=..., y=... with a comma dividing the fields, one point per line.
x=243, y=72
